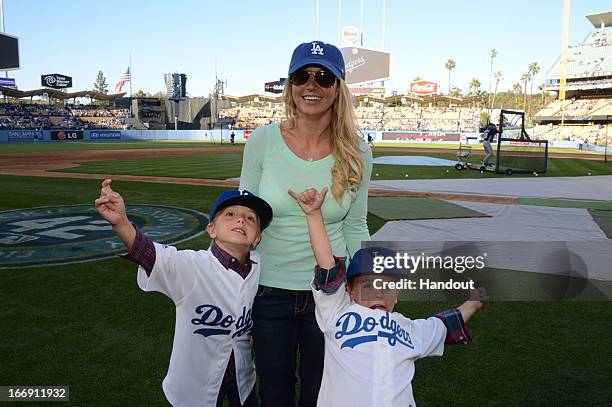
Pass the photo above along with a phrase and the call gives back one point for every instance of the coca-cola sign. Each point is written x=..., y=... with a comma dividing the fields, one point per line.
x=423, y=87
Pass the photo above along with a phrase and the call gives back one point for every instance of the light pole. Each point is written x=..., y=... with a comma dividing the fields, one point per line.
x=606, y=147
x=2, y=26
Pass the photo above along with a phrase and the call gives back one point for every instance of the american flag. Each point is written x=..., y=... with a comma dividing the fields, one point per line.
x=122, y=81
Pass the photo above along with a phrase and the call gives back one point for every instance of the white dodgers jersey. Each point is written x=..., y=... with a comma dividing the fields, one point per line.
x=213, y=317
x=370, y=354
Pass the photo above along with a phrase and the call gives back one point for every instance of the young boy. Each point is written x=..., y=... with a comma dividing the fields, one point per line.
x=369, y=349
x=213, y=291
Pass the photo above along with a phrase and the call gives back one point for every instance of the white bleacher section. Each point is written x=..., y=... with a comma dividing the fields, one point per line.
x=388, y=118
x=589, y=59
x=589, y=134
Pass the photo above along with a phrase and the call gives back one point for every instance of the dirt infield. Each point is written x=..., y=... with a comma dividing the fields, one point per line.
x=45, y=164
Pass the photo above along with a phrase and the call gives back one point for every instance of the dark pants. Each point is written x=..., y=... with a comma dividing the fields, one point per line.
x=230, y=390
x=283, y=324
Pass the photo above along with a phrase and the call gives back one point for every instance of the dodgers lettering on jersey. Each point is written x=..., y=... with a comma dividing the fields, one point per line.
x=352, y=324
x=371, y=352
x=213, y=319
x=213, y=316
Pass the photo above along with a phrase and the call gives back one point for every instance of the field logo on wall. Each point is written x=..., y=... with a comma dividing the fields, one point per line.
x=73, y=234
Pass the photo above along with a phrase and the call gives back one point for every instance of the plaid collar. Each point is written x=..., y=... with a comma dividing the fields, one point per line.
x=230, y=262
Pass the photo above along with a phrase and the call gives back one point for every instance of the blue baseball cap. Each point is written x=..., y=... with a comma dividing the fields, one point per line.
x=318, y=53
x=362, y=263
x=244, y=198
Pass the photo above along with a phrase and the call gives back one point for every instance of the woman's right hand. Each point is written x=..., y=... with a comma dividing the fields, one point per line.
x=310, y=200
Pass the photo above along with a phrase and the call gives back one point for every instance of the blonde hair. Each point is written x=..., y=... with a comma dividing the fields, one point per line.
x=344, y=143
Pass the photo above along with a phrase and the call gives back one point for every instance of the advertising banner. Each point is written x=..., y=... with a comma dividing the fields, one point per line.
x=423, y=88
x=365, y=65
x=66, y=135
x=24, y=135
x=275, y=86
x=56, y=81
x=420, y=136
x=105, y=135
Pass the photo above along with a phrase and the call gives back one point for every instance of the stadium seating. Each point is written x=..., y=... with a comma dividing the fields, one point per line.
x=376, y=117
x=17, y=116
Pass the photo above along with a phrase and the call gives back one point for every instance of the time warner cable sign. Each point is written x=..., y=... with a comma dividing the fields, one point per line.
x=56, y=81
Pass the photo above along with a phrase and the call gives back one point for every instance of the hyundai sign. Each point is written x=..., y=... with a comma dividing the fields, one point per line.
x=56, y=81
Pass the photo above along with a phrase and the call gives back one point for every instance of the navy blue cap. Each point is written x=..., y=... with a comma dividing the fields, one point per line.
x=318, y=53
x=244, y=198
x=362, y=263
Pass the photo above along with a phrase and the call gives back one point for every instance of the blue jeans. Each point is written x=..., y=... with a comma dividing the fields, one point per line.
x=283, y=323
x=230, y=390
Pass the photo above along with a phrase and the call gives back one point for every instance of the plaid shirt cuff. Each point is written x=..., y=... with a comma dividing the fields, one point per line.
x=330, y=280
x=142, y=251
x=456, y=332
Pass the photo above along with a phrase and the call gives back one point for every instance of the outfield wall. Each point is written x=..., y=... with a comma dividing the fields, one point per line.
x=218, y=136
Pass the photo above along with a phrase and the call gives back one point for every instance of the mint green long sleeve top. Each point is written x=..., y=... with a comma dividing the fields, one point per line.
x=269, y=170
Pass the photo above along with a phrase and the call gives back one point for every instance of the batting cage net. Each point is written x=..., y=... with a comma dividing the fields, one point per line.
x=516, y=151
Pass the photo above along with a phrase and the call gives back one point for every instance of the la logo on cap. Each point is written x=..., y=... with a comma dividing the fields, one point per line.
x=316, y=49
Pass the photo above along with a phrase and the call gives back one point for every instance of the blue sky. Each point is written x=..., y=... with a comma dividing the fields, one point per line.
x=250, y=42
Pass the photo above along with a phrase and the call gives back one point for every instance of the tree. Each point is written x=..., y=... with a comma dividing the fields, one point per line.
x=524, y=79
x=533, y=71
x=474, y=86
x=450, y=65
x=140, y=94
x=499, y=76
x=517, y=92
x=492, y=55
x=100, y=84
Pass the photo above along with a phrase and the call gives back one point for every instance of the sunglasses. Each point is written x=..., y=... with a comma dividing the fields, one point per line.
x=323, y=78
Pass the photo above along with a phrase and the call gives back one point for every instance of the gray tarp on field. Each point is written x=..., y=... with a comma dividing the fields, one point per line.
x=414, y=160
x=515, y=223
x=595, y=188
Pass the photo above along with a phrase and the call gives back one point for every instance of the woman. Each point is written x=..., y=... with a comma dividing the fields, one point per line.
x=316, y=146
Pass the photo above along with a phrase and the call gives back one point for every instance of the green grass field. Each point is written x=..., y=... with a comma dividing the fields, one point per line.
x=204, y=166
x=88, y=325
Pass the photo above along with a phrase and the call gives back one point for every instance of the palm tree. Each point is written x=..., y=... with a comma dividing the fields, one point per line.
x=450, y=65
x=492, y=55
x=474, y=86
x=525, y=78
x=533, y=71
x=499, y=76
x=517, y=92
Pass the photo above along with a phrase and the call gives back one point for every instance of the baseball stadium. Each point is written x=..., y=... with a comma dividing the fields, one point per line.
x=73, y=316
